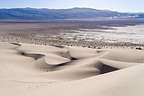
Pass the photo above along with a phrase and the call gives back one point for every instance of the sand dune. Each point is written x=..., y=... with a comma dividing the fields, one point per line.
x=35, y=70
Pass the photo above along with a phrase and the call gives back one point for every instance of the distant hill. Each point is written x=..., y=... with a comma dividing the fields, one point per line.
x=73, y=13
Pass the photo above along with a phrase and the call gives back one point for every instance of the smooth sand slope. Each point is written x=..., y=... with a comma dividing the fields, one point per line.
x=36, y=70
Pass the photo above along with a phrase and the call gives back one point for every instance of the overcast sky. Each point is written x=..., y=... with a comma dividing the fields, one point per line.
x=115, y=5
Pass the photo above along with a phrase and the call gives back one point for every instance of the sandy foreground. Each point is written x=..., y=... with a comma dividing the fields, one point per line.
x=37, y=70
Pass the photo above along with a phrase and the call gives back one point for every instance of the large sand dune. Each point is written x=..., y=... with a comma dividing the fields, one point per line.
x=36, y=70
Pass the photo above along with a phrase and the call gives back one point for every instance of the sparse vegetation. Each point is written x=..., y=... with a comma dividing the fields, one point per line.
x=43, y=33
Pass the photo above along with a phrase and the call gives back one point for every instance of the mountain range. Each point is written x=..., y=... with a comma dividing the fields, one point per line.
x=73, y=13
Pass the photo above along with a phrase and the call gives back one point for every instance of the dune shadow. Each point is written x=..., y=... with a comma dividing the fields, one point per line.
x=35, y=56
x=16, y=44
x=106, y=69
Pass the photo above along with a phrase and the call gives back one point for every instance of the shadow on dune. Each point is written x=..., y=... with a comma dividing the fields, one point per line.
x=35, y=56
x=16, y=44
x=105, y=69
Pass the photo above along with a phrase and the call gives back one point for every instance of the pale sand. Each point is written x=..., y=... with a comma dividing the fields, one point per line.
x=36, y=70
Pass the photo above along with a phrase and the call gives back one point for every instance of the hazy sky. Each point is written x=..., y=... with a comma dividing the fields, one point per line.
x=116, y=5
